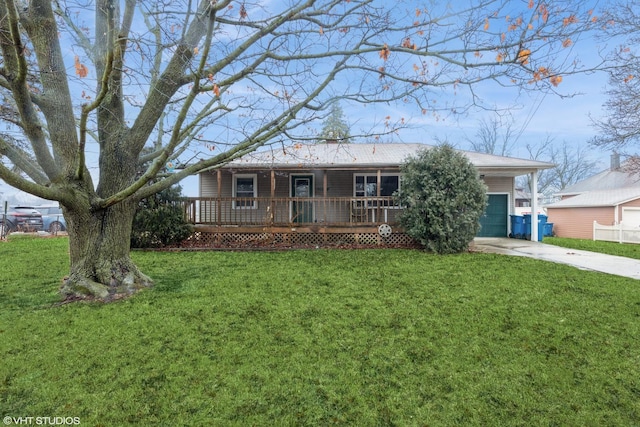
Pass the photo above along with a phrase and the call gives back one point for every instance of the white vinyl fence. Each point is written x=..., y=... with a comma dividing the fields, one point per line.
x=620, y=233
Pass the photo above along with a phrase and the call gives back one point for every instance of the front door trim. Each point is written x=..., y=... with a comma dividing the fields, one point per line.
x=301, y=212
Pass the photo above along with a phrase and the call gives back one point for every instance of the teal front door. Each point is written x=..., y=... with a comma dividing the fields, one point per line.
x=494, y=222
x=302, y=187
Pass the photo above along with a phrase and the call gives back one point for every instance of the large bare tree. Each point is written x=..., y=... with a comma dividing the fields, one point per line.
x=201, y=82
x=494, y=136
x=572, y=164
x=619, y=130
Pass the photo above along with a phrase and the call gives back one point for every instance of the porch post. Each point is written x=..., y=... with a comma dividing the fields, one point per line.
x=219, y=203
x=534, y=206
x=324, y=183
x=273, y=195
x=324, y=195
x=378, y=202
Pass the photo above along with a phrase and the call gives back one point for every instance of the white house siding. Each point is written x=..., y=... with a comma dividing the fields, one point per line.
x=501, y=185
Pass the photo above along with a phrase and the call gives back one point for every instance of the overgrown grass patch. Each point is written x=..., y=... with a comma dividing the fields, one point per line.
x=322, y=337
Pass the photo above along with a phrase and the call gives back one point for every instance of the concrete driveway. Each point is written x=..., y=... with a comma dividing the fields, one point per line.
x=585, y=260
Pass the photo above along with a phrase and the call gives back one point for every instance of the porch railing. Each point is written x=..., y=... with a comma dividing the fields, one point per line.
x=291, y=211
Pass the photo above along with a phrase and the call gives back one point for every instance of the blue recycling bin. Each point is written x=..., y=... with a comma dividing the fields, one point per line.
x=517, y=227
x=548, y=229
x=542, y=220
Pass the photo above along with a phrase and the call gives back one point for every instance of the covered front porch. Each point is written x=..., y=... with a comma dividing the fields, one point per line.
x=296, y=220
x=248, y=212
x=332, y=191
x=317, y=206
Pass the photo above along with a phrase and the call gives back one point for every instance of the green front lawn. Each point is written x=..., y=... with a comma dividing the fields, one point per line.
x=322, y=337
x=612, y=248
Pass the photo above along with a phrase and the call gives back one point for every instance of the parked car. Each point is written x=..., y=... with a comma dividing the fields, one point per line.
x=22, y=218
x=52, y=218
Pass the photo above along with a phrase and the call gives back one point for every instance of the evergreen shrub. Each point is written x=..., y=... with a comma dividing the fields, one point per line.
x=159, y=220
x=443, y=199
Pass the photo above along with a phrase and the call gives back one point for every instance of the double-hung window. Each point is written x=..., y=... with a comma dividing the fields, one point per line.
x=389, y=184
x=245, y=190
x=366, y=185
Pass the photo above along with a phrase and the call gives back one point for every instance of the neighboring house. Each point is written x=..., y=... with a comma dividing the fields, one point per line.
x=574, y=216
x=332, y=193
x=609, y=197
x=522, y=198
x=523, y=202
x=610, y=179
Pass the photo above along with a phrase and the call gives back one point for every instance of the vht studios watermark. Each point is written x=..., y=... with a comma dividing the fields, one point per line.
x=41, y=421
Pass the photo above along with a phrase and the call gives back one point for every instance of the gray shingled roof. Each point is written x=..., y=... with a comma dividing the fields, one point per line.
x=336, y=156
x=613, y=197
x=605, y=180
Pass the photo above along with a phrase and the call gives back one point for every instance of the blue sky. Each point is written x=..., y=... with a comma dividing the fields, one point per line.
x=537, y=116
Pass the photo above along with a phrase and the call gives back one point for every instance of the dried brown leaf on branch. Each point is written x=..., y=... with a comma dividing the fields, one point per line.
x=81, y=70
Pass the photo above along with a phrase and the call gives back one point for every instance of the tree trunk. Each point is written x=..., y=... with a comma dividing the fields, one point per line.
x=99, y=243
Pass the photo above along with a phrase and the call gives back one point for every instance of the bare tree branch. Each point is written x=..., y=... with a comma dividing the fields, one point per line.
x=89, y=86
x=619, y=130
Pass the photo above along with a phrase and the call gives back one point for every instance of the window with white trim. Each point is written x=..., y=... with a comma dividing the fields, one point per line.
x=366, y=185
x=245, y=190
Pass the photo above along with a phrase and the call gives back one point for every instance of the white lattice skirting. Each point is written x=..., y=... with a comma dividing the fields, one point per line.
x=204, y=239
